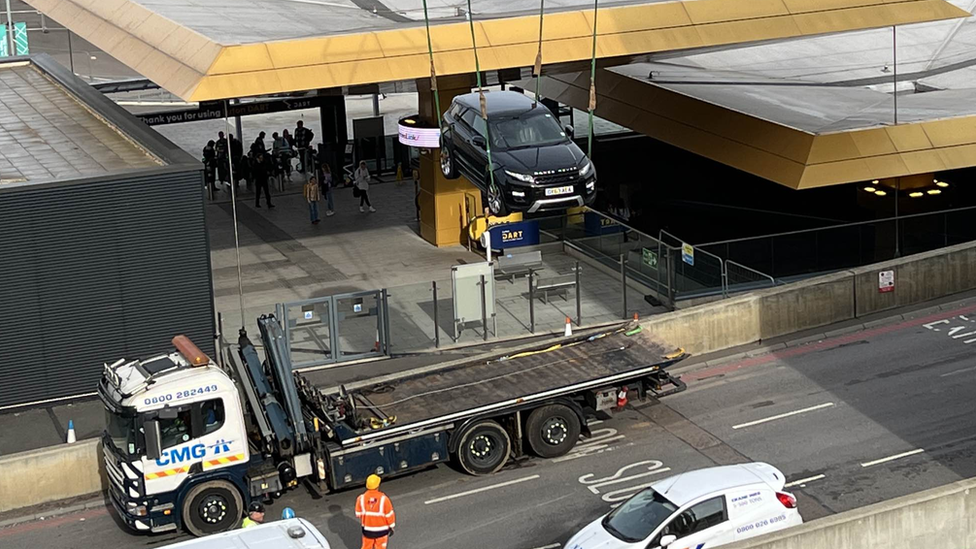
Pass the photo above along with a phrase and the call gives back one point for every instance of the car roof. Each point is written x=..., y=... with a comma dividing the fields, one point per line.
x=273, y=534
x=498, y=102
x=687, y=487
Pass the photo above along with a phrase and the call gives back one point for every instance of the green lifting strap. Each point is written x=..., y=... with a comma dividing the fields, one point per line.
x=433, y=73
x=537, y=69
x=592, y=105
x=492, y=189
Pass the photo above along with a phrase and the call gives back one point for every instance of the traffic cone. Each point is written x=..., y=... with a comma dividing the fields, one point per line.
x=636, y=317
x=569, y=328
x=71, y=432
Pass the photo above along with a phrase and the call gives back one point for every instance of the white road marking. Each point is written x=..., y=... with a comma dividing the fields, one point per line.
x=781, y=416
x=892, y=458
x=803, y=481
x=479, y=490
x=553, y=546
x=931, y=325
x=970, y=369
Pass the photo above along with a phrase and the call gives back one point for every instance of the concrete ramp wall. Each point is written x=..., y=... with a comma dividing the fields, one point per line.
x=72, y=470
x=943, y=518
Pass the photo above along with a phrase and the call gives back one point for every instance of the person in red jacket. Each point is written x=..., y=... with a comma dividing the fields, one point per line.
x=375, y=513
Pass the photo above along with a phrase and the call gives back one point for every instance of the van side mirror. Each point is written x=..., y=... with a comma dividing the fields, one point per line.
x=569, y=131
x=478, y=141
x=668, y=540
x=153, y=440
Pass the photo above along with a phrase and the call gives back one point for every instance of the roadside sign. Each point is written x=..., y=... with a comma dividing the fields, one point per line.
x=886, y=281
x=20, y=39
x=649, y=258
x=688, y=253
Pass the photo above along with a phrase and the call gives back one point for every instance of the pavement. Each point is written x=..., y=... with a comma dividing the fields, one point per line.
x=851, y=418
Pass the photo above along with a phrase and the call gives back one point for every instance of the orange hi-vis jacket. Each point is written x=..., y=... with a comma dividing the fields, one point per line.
x=375, y=512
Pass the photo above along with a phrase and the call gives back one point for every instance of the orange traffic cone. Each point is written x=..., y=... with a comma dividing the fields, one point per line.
x=569, y=328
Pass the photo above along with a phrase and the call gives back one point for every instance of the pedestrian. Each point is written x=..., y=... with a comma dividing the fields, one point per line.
x=258, y=144
x=326, y=185
x=312, y=196
x=303, y=140
x=223, y=157
x=260, y=172
x=255, y=515
x=361, y=178
x=282, y=153
x=236, y=155
x=210, y=165
x=375, y=513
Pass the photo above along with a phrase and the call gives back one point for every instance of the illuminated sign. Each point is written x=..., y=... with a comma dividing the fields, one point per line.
x=412, y=133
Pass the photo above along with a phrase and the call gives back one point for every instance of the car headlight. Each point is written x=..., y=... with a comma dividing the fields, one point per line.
x=523, y=177
x=586, y=168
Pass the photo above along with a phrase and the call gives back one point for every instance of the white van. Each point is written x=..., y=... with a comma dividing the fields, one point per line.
x=710, y=507
x=293, y=533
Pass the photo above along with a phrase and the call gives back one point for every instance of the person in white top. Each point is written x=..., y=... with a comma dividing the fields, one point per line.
x=361, y=179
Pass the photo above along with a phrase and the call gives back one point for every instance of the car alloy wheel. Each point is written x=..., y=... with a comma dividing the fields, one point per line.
x=446, y=160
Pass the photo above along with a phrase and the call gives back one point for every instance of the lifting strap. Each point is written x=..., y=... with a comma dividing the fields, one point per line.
x=592, y=105
x=484, y=109
x=537, y=69
x=433, y=72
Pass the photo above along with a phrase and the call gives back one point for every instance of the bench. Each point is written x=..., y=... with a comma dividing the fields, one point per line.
x=559, y=283
x=511, y=265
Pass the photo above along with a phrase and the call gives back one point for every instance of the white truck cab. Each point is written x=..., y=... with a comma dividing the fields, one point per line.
x=703, y=508
x=285, y=534
x=192, y=413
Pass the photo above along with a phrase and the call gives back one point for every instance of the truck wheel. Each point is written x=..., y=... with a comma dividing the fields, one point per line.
x=484, y=448
x=212, y=507
x=552, y=430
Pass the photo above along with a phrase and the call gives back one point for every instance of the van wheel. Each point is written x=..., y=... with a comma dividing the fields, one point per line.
x=552, y=430
x=484, y=448
x=212, y=507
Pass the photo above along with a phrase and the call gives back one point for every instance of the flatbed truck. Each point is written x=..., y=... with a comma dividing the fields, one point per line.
x=189, y=442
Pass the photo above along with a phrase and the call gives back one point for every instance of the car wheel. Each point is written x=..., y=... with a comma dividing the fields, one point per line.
x=448, y=165
x=484, y=448
x=552, y=430
x=212, y=507
x=495, y=201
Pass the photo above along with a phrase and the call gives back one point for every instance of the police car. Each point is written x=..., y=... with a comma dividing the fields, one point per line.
x=294, y=533
x=697, y=509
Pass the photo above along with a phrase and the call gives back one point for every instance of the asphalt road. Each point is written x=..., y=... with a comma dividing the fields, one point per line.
x=867, y=416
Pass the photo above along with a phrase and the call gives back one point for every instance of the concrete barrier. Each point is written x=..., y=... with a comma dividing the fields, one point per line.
x=51, y=474
x=941, y=517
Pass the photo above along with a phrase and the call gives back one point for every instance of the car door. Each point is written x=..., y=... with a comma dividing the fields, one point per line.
x=703, y=524
x=464, y=144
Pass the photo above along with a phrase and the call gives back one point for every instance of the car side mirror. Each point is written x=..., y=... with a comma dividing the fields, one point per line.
x=668, y=540
x=478, y=141
x=153, y=440
x=570, y=131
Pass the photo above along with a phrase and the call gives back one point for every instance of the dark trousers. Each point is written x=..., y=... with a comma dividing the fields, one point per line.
x=262, y=185
x=364, y=199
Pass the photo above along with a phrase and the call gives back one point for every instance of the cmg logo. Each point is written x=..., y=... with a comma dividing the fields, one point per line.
x=179, y=455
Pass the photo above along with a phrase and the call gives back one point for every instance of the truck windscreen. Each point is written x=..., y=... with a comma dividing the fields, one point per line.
x=121, y=428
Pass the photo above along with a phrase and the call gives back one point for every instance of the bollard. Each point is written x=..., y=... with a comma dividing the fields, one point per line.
x=71, y=432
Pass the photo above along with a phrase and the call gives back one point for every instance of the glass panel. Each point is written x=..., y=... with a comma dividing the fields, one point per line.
x=309, y=335
x=358, y=324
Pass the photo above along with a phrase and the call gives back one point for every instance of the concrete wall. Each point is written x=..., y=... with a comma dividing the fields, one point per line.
x=941, y=517
x=51, y=474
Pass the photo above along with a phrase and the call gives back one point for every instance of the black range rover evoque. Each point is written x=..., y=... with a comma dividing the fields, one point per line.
x=537, y=166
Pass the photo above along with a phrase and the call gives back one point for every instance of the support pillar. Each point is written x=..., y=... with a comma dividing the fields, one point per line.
x=334, y=135
x=446, y=206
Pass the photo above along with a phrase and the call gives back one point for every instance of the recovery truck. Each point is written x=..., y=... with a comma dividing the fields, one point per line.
x=189, y=443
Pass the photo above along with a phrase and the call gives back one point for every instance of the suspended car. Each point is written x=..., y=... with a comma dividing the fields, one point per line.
x=535, y=163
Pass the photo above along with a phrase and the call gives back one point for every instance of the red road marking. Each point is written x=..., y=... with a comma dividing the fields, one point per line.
x=51, y=523
x=826, y=344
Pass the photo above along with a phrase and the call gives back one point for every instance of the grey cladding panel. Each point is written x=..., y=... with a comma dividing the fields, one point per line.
x=94, y=272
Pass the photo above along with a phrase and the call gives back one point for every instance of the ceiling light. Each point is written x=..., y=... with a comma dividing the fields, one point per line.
x=933, y=191
x=875, y=182
x=916, y=194
x=870, y=189
x=942, y=184
x=880, y=193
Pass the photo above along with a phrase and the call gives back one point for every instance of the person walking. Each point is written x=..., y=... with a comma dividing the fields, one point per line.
x=312, y=196
x=210, y=165
x=303, y=140
x=223, y=157
x=361, y=178
x=326, y=186
x=255, y=515
x=236, y=157
x=260, y=173
x=375, y=513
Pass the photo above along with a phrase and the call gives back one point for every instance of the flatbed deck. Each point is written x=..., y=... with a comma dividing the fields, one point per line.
x=480, y=383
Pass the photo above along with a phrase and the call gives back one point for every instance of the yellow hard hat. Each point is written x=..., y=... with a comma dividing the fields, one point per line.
x=372, y=482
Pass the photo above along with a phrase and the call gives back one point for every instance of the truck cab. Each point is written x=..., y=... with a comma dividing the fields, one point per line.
x=169, y=419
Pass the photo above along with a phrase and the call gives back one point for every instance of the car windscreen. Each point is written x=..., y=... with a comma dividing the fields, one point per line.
x=639, y=516
x=536, y=128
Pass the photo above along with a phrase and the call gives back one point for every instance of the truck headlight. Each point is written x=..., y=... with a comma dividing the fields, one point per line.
x=137, y=510
x=585, y=169
x=523, y=177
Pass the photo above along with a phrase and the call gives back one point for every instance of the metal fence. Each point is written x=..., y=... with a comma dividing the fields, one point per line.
x=798, y=254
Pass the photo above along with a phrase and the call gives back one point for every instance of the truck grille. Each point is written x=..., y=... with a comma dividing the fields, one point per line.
x=112, y=467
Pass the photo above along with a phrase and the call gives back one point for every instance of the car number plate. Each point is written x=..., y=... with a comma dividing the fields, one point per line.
x=553, y=191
